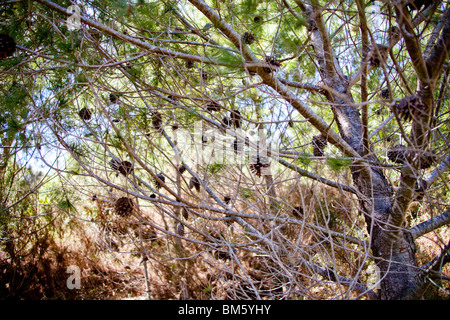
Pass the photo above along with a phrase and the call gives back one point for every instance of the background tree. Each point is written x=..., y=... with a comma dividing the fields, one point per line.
x=353, y=95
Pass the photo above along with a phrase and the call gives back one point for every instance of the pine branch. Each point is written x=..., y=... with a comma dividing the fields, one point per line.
x=150, y=48
x=316, y=177
x=430, y=225
x=440, y=53
x=365, y=51
x=270, y=80
x=437, y=172
x=413, y=46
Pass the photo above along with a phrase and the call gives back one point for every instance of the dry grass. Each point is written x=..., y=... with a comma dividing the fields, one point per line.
x=113, y=253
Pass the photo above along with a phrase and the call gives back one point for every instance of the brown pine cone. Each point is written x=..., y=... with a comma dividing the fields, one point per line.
x=425, y=159
x=379, y=54
x=7, y=46
x=385, y=93
x=235, y=118
x=189, y=64
x=213, y=106
x=403, y=155
x=185, y=214
x=248, y=38
x=194, y=183
x=409, y=107
x=319, y=143
x=398, y=154
x=257, y=19
x=256, y=167
x=160, y=177
x=181, y=169
x=180, y=229
x=84, y=114
x=113, y=97
x=123, y=206
x=123, y=167
x=273, y=62
x=157, y=120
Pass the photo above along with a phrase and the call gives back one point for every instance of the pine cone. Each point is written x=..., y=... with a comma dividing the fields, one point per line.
x=297, y=212
x=157, y=120
x=257, y=166
x=236, y=118
x=7, y=46
x=185, y=214
x=426, y=159
x=194, y=183
x=319, y=143
x=124, y=167
x=113, y=97
x=226, y=121
x=123, y=206
x=85, y=114
x=181, y=169
x=213, y=106
x=409, y=107
x=180, y=229
x=403, y=155
x=272, y=61
x=189, y=64
x=162, y=178
x=248, y=38
x=398, y=154
x=385, y=93
x=223, y=255
x=379, y=54
x=204, y=75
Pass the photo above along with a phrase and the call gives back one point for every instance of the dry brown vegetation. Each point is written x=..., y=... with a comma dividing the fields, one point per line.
x=213, y=259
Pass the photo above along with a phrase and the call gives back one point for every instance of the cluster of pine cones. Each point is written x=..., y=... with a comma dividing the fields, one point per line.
x=404, y=155
x=123, y=167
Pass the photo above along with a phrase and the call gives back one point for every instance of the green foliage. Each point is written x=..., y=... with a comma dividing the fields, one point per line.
x=65, y=205
x=246, y=193
x=215, y=167
x=304, y=160
x=337, y=164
